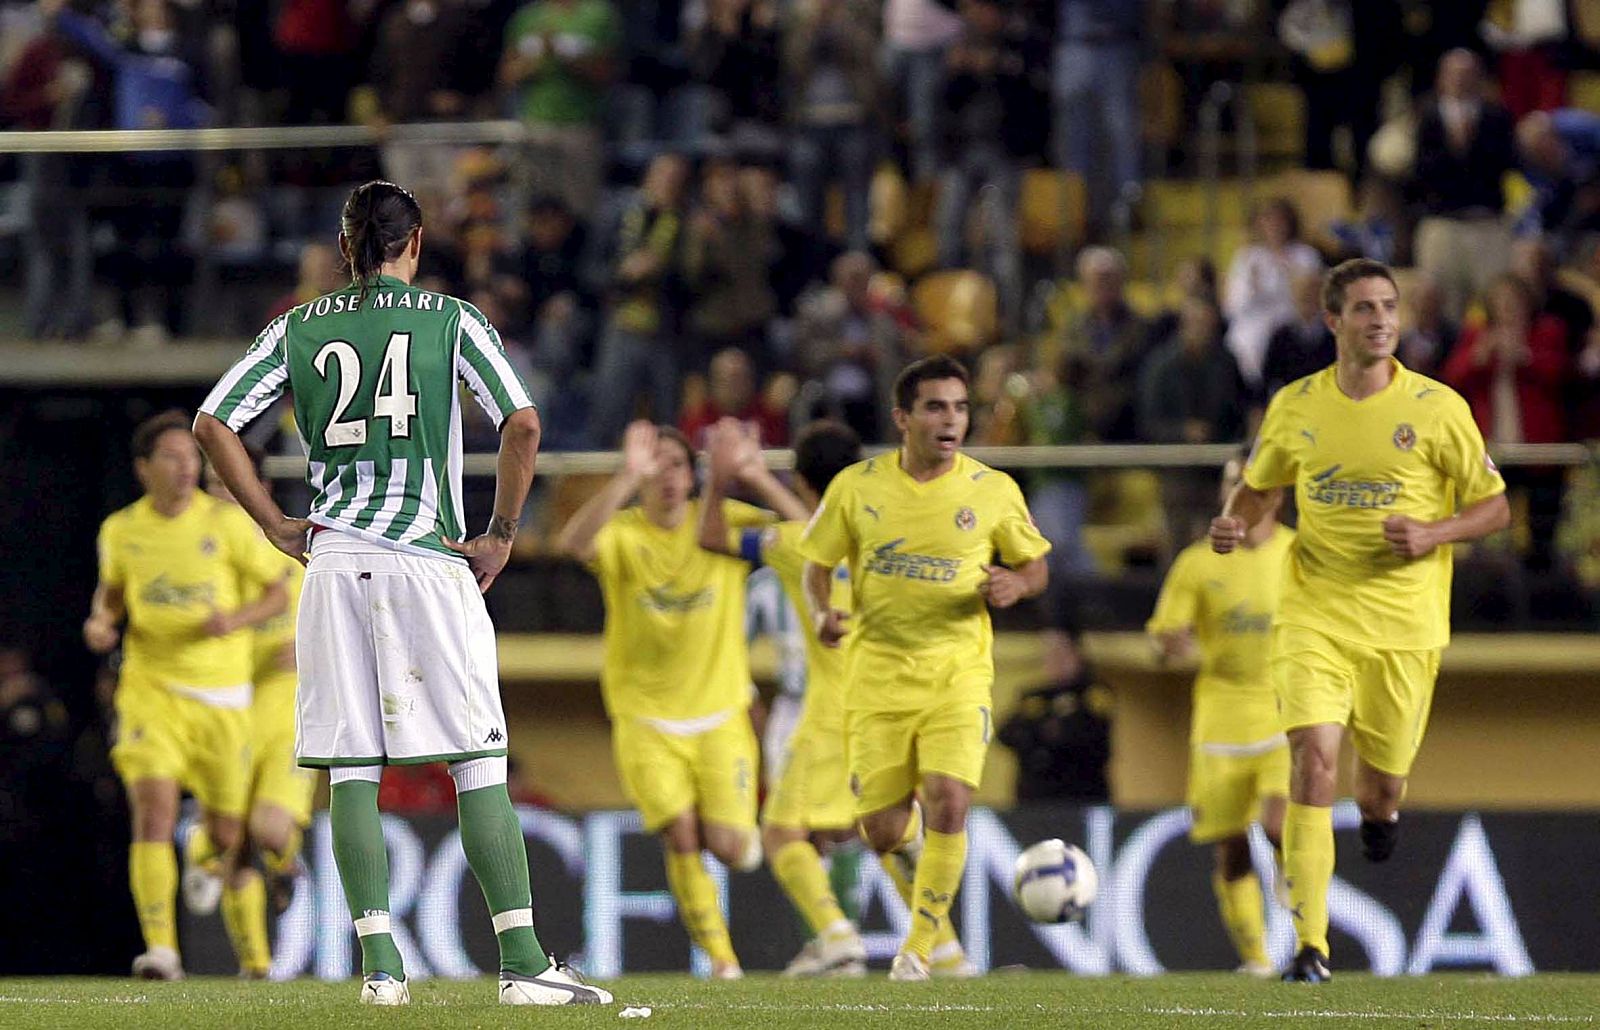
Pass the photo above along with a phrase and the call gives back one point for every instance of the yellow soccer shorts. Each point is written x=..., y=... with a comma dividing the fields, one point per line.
x=163, y=735
x=1226, y=790
x=891, y=751
x=712, y=773
x=813, y=789
x=275, y=778
x=1383, y=695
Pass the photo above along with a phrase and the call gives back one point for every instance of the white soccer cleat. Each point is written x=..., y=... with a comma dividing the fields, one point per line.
x=1258, y=970
x=202, y=889
x=558, y=985
x=727, y=971
x=949, y=962
x=842, y=955
x=908, y=967
x=158, y=964
x=383, y=989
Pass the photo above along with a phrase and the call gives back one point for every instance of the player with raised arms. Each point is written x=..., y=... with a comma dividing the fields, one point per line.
x=811, y=795
x=189, y=576
x=1389, y=471
x=395, y=648
x=1238, y=756
x=676, y=674
x=920, y=530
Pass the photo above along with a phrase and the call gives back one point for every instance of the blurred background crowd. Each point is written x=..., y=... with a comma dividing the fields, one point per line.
x=1116, y=210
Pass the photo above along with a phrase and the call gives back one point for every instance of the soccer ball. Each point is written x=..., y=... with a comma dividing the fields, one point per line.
x=1055, y=882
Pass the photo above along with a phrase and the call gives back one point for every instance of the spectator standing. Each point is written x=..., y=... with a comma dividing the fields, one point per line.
x=1301, y=346
x=1534, y=264
x=1095, y=98
x=1110, y=342
x=731, y=392
x=851, y=344
x=1430, y=336
x=559, y=57
x=987, y=96
x=916, y=34
x=1258, y=296
x=316, y=42
x=1560, y=153
x=1061, y=731
x=637, y=352
x=1189, y=388
x=735, y=52
x=799, y=252
x=726, y=256
x=1464, y=148
x=423, y=55
x=830, y=67
x=1341, y=51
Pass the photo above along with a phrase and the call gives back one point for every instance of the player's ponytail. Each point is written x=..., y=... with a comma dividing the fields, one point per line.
x=377, y=222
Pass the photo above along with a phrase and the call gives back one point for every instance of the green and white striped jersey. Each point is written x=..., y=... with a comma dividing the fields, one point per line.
x=375, y=397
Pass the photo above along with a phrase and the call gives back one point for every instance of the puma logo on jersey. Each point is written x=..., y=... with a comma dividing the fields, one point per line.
x=876, y=513
x=1310, y=436
x=1427, y=390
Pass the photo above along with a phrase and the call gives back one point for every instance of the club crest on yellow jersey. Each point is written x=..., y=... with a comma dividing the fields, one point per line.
x=1405, y=437
x=966, y=519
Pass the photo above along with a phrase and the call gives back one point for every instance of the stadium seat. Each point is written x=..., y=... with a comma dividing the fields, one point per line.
x=1279, y=110
x=958, y=308
x=1052, y=210
x=1320, y=197
x=1583, y=91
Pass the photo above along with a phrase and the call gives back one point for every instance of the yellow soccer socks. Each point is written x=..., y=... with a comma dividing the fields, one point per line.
x=1308, y=866
x=798, y=869
x=696, y=895
x=244, y=915
x=153, y=877
x=944, y=857
x=1244, y=915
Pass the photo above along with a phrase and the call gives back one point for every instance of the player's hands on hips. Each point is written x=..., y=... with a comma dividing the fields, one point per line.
x=1227, y=532
x=639, y=449
x=1407, y=537
x=831, y=626
x=487, y=554
x=1001, y=587
x=100, y=633
x=291, y=537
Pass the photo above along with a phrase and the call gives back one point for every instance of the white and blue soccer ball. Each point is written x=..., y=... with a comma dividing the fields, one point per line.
x=1055, y=882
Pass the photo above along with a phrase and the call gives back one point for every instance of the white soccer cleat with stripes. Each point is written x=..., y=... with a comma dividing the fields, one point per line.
x=558, y=985
x=383, y=989
x=908, y=967
x=158, y=964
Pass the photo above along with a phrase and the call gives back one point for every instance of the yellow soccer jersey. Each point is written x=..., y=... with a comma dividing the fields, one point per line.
x=1229, y=601
x=916, y=553
x=825, y=666
x=1410, y=449
x=674, y=634
x=174, y=573
x=272, y=636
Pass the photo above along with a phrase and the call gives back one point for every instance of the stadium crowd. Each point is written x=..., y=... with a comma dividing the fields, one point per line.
x=762, y=209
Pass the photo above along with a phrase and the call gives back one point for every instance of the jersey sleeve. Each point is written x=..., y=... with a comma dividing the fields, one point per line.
x=829, y=538
x=253, y=555
x=1272, y=464
x=1016, y=538
x=112, y=571
x=1463, y=457
x=255, y=380
x=1178, y=603
x=608, y=550
x=744, y=516
x=482, y=364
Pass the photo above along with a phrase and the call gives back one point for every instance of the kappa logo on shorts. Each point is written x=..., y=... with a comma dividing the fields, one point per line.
x=1405, y=437
x=494, y=737
x=966, y=518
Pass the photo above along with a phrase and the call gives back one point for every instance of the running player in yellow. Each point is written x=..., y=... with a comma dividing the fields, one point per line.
x=811, y=798
x=280, y=791
x=676, y=676
x=1238, y=755
x=1389, y=470
x=920, y=530
x=177, y=566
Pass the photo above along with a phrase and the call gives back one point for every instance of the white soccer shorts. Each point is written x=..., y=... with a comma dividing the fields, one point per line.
x=396, y=659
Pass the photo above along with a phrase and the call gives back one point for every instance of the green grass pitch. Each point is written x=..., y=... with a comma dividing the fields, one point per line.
x=1000, y=1001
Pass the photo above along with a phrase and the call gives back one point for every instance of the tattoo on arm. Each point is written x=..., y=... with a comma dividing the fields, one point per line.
x=503, y=528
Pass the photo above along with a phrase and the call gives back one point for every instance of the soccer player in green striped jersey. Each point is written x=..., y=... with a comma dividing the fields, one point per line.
x=396, y=652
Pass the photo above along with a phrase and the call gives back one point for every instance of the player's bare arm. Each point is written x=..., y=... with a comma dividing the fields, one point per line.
x=829, y=622
x=1411, y=538
x=519, y=451
x=228, y=456
x=1246, y=508
x=106, y=611
x=576, y=539
x=1003, y=587
x=274, y=600
x=1174, y=645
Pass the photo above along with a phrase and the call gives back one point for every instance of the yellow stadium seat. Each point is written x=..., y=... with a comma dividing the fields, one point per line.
x=958, y=309
x=1144, y=297
x=1160, y=104
x=1279, y=110
x=1583, y=91
x=914, y=251
x=1052, y=210
x=1319, y=197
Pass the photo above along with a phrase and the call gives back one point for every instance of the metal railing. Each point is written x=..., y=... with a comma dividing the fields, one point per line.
x=285, y=137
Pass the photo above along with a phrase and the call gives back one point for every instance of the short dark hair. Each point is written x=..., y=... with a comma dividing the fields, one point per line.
x=939, y=366
x=1343, y=274
x=675, y=434
x=149, y=432
x=823, y=450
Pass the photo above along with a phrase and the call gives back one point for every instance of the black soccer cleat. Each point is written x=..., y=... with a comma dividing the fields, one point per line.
x=1308, y=967
x=1378, y=838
